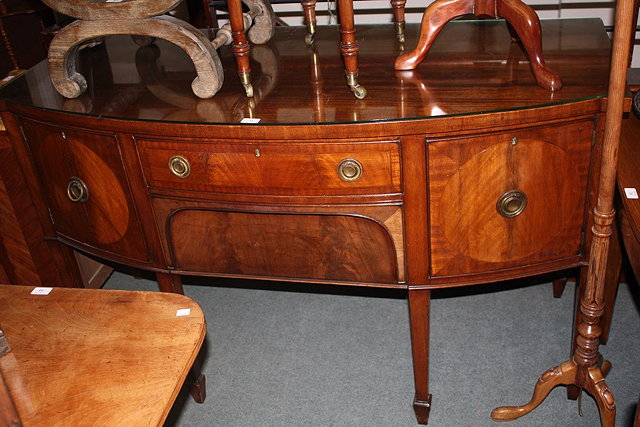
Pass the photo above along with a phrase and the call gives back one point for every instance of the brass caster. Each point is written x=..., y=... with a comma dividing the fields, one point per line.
x=308, y=39
x=359, y=91
x=400, y=32
x=248, y=88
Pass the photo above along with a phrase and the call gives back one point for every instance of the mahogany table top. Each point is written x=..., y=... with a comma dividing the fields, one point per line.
x=473, y=67
x=97, y=357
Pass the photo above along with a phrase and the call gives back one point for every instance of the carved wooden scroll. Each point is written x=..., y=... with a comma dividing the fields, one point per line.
x=133, y=17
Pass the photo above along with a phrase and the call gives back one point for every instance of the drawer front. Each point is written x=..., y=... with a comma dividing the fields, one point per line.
x=313, y=246
x=273, y=168
x=507, y=200
x=88, y=194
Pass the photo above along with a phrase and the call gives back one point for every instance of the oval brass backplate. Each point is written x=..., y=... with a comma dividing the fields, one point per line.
x=77, y=190
x=349, y=170
x=512, y=203
x=179, y=166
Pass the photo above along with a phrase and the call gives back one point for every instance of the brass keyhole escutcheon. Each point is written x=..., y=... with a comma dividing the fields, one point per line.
x=349, y=170
x=512, y=203
x=77, y=190
x=179, y=166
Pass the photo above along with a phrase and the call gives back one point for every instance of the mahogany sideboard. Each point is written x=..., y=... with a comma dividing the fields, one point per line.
x=461, y=172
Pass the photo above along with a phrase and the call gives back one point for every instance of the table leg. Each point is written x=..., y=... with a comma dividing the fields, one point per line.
x=169, y=283
x=349, y=47
x=309, y=7
x=521, y=17
x=526, y=24
x=398, y=18
x=240, y=44
x=419, y=302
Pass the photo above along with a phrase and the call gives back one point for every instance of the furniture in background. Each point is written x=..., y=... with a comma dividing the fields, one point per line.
x=21, y=26
x=436, y=180
x=82, y=356
x=522, y=20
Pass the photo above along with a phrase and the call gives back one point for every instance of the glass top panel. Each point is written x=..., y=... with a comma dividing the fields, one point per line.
x=473, y=67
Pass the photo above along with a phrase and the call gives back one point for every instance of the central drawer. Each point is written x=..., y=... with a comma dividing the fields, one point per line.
x=272, y=168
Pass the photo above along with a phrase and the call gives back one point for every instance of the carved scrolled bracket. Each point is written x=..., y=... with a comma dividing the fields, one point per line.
x=264, y=21
x=64, y=48
x=105, y=9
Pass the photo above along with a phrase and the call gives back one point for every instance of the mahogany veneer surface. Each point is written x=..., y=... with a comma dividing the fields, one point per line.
x=473, y=67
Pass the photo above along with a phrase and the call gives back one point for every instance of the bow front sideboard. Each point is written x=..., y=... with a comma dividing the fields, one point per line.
x=461, y=172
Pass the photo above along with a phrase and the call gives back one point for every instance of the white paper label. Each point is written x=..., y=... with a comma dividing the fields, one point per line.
x=183, y=312
x=250, y=120
x=41, y=291
x=631, y=193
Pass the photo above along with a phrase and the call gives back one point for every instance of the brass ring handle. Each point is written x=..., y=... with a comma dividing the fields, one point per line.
x=349, y=170
x=179, y=166
x=512, y=203
x=77, y=190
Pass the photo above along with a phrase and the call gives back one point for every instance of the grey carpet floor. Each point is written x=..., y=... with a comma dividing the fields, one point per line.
x=300, y=355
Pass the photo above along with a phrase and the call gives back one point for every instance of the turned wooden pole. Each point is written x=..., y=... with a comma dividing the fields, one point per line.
x=592, y=305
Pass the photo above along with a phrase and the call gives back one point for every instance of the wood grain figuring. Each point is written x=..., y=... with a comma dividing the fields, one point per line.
x=8, y=412
x=273, y=168
x=107, y=220
x=88, y=357
x=25, y=257
x=470, y=175
x=327, y=247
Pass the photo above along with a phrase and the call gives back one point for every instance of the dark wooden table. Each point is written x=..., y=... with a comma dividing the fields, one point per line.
x=89, y=357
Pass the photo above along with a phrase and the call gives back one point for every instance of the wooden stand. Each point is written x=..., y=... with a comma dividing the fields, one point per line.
x=523, y=24
x=101, y=18
x=586, y=370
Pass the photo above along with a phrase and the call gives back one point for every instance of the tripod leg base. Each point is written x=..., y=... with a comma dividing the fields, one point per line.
x=564, y=374
x=601, y=392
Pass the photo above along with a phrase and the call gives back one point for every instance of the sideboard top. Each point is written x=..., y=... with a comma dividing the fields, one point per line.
x=473, y=67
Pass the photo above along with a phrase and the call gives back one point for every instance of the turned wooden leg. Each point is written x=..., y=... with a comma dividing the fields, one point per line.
x=435, y=17
x=398, y=18
x=240, y=44
x=419, y=302
x=309, y=7
x=349, y=47
x=525, y=22
x=612, y=278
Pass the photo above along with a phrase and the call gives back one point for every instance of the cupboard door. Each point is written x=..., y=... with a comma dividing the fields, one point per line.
x=507, y=200
x=325, y=247
x=88, y=195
